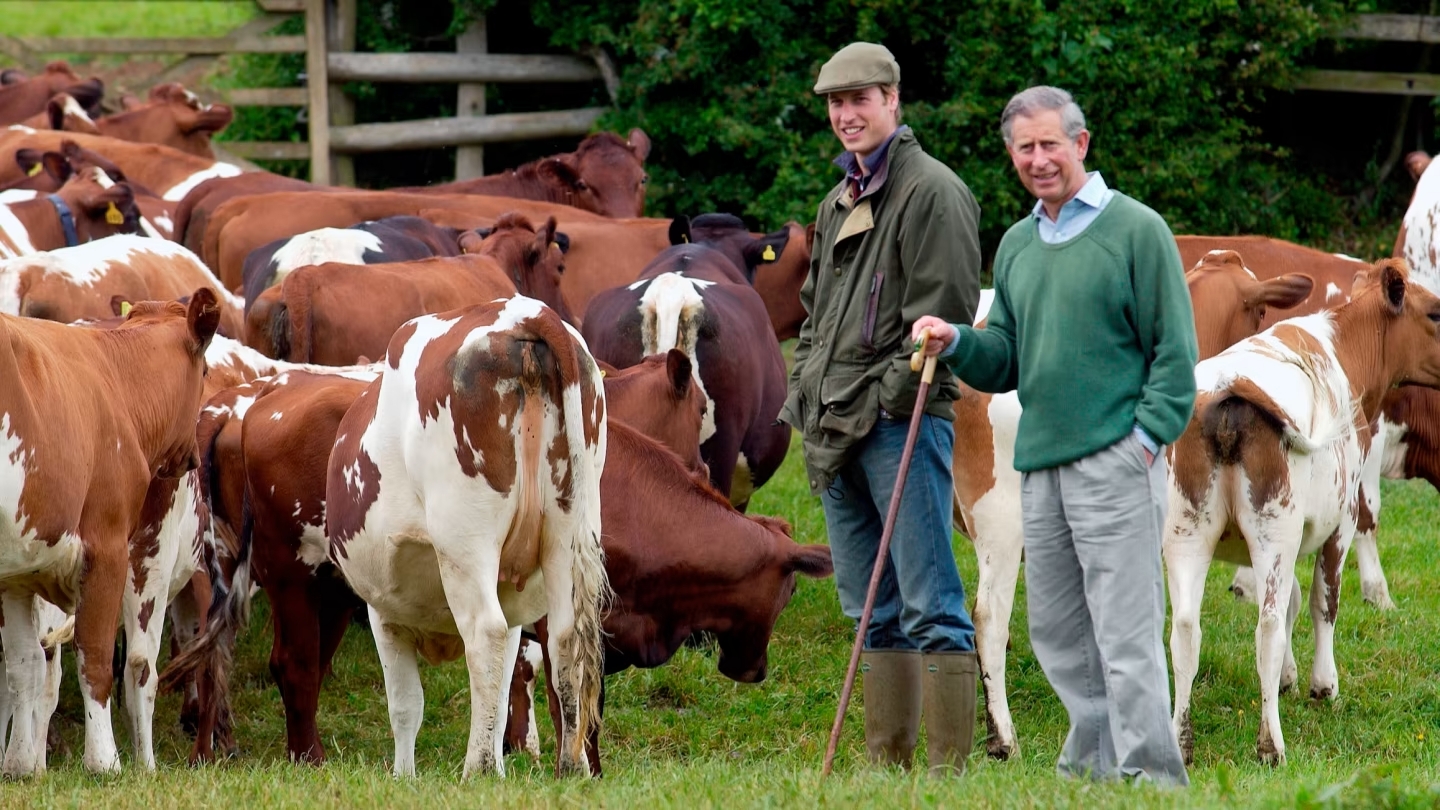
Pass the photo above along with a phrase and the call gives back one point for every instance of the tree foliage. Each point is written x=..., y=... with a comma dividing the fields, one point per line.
x=1170, y=91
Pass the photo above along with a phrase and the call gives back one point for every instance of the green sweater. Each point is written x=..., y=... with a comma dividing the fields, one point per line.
x=1095, y=332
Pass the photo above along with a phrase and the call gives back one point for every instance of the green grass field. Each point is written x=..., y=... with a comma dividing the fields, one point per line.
x=684, y=736
x=123, y=18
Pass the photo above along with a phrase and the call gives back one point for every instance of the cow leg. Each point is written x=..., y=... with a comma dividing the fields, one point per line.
x=337, y=608
x=1192, y=532
x=143, y=619
x=531, y=651
x=1324, y=608
x=1273, y=558
x=295, y=658
x=96, y=616
x=998, y=551
x=25, y=674
x=404, y=696
x=1289, y=672
x=187, y=622
x=490, y=642
x=1373, y=586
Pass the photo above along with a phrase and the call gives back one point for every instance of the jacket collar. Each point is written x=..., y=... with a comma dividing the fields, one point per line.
x=878, y=163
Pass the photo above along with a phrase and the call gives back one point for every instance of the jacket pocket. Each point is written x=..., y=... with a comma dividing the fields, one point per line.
x=872, y=310
x=848, y=414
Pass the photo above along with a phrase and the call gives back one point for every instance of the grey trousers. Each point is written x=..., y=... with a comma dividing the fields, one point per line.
x=1096, y=598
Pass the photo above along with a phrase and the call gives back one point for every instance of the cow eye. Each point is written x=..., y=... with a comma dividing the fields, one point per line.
x=644, y=178
x=1434, y=317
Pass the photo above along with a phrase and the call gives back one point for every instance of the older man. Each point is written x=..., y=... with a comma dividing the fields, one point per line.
x=895, y=239
x=1091, y=322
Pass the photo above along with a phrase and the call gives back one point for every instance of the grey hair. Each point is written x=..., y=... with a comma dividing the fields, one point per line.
x=1036, y=99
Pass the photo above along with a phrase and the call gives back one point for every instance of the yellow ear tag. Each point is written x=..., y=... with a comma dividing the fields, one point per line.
x=769, y=254
x=34, y=170
x=113, y=215
x=125, y=307
x=602, y=373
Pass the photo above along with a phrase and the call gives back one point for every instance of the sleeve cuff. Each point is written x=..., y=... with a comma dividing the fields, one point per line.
x=950, y=347
x=1145, y=440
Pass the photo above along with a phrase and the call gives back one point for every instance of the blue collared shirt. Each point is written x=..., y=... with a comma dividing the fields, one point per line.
x=1075, y=216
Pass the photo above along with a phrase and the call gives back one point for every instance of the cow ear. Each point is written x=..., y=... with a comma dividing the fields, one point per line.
x=1288, y=291
x=116, y=207
x=1392, y=282
x=766, y=249
x=564, y=173
x=544, y=237
x=202, y=315
x=680, y=230
x=639, y=143
x=212, y=120
x=57, y=166
x=812, y=561
x=469, y=241
x=12, y=76
x=679, y=372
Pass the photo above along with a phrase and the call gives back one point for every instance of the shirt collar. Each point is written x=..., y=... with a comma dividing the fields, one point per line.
x=851, y=164
x=1091, y=194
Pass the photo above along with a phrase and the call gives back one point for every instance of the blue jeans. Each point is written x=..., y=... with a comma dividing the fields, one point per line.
x=921, y=601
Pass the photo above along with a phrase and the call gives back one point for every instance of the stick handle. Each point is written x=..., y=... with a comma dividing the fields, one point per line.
x=918, y=357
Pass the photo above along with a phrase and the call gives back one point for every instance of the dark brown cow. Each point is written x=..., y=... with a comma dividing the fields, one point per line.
x=393, y=239
x=697, y=297
x=84, y=440
x=94, y=206
x=173, y=117
x=23, y=99
x=336, y=313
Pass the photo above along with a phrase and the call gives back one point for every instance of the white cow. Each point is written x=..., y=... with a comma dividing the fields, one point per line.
x=463, y=500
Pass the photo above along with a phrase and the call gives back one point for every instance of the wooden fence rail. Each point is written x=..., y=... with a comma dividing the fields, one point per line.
x=1419, y=28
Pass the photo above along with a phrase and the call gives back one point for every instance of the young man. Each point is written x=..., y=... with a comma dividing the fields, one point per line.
x=1091, y=322
x=897, y=238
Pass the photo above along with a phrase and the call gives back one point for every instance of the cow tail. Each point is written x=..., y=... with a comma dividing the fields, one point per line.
x=591, y=596
x=291, y=324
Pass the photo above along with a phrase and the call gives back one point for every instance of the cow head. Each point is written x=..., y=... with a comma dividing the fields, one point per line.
x=194, y=324
x=174, y=117
x=605, y=174
x=48, y=171
x=532, y=257
x=101, y=207
x=1405, y=316
x=66, y=114
x=1230, y=303
x=727, y=233
x=744, y=647
x=658, y=397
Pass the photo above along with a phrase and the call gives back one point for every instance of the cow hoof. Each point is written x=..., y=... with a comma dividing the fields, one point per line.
x=1323, y=692
x=1269, y=754
x=1288, y=679
x=998, y=749
x=1379, y=597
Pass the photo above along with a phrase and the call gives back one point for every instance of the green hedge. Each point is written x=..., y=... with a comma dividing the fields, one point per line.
x=1181, y=97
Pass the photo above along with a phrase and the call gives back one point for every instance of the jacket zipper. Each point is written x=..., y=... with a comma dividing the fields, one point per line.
x=872, y=306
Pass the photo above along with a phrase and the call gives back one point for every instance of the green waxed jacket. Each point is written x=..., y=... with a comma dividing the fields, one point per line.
x=908, y=246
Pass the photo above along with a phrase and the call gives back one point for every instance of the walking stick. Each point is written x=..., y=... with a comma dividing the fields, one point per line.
x=925, y=377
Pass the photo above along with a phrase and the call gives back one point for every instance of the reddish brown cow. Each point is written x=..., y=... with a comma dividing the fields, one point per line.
x=336, y=313
x=173, y=117
x=605, y=175
x=84, y=440
x=49, y=171
x=241, y=225
x=87, y=207
x=1272, y=258
x=25, y=98
x=193, y=212
x=168, y=172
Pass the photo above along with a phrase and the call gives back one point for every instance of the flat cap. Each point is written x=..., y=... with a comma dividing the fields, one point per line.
x=857, y=65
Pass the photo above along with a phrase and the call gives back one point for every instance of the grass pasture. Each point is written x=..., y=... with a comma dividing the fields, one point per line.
x=683, y=736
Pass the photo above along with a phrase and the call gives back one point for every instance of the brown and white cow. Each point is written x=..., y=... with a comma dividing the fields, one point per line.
x=463, y=500
x=335, y=314
x=1229, y=304
x=27, y=97
x=1269, y=468
x=83, y=438
x=1418, y=241
x=79, y=283
x=697, y=297
x=89, y=206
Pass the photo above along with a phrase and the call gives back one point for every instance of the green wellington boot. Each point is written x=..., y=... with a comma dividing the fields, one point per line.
x=891, y=682
x=950, y=690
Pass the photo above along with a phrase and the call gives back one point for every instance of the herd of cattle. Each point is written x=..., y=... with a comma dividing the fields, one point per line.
x=514, y=402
